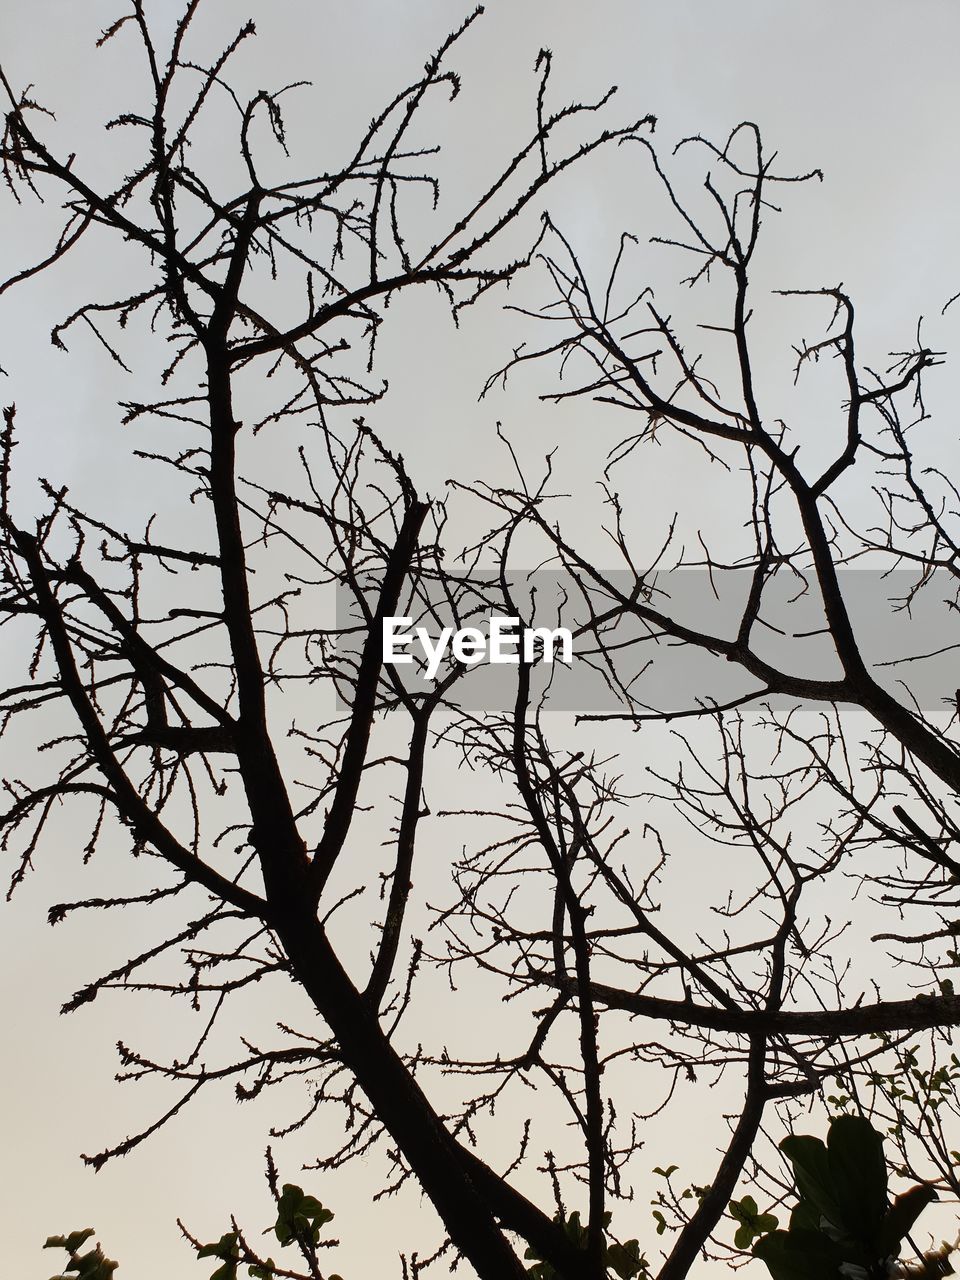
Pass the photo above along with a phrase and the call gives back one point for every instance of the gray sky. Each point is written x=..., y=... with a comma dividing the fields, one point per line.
x=866, y=90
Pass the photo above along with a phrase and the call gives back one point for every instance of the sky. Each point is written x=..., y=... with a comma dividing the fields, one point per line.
x=866, y=90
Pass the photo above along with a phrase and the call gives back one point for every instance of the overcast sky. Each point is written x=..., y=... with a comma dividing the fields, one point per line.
x=866, y=90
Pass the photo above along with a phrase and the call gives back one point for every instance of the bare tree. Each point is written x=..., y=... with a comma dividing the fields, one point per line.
x=178, y=686
x=793, y=778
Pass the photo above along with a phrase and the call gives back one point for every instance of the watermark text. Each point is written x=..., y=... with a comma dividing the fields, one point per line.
x=503, y=642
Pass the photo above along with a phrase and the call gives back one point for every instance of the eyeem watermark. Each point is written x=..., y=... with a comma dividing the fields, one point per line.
x=911, y=653
x=503, y=643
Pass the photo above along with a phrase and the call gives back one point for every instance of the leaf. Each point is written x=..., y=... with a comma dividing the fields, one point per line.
x=901, y=1216
x=811, y=1172
x=753, y=1223
x=93, y=1265
x=627, y=1260
x=804, y=1217
x=744, y=1236
x=225, y=1248
x=575, y=1231
x=299, y=1215
x=799, y=1255
x=76, y=1238
x=744, y=1210
x=859, y=1173
x=542, y=1270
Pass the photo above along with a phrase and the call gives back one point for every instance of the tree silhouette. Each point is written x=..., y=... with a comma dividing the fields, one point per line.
x=178, y=685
